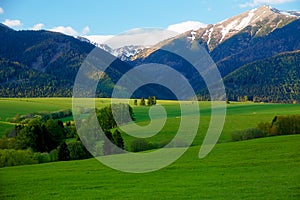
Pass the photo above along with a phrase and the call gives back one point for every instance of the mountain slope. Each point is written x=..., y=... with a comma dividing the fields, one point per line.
x=243, y=48
x=275, y=79
x=262, y=20
x=43, y=63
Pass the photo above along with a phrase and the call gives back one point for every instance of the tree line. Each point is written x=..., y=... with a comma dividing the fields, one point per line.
x=150, y=101
x=280, y=125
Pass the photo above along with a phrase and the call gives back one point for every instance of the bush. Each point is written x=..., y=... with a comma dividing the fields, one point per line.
x=12, y=157
x=8, y=143
x=247, y=134
x=42, y=157
x=285, y=125
x=53, y=155
x=140, y=144
x=264, y=127
x=237, y=136
x=252, y=133
x=78, y=151
x=63, y=152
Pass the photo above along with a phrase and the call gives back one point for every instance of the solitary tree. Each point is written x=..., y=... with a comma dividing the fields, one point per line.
x=118, y=140
x=149, y=102
x=63, y=152
x=142, y=103
x=154, y=100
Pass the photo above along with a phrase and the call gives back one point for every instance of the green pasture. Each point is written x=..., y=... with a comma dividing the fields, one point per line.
x=266, y=168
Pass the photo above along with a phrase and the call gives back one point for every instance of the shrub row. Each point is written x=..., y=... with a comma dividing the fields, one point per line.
x=141, y=144
x=12, y=157
x=247, y=134
x=281, y=125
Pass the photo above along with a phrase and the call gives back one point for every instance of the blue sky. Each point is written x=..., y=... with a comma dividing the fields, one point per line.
x=110, y=17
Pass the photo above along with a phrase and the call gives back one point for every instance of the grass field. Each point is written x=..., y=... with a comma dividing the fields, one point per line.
x=266, y=168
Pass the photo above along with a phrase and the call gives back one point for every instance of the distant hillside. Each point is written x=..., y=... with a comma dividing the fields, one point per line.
x=43, y=63
x=276, y=79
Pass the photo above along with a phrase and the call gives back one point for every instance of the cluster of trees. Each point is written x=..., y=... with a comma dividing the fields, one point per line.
x=40, y=141
x=280, y=125
x=116, y=114
x=109, y=118
x=41, y=137
x=71, y=151
x=150, y=101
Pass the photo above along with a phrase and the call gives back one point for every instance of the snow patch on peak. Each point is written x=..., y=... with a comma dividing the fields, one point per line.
x=245, y=21
x=209, y=35
x=237, y=24
x=193, y=36
x=290, y=13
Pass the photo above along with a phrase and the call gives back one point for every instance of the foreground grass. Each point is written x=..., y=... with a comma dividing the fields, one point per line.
x=266, y=168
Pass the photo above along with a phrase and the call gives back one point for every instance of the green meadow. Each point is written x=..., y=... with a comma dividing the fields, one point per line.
x=266, y=168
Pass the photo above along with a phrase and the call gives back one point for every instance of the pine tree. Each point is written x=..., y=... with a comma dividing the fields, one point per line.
x=154, y=100
x=149, y=102
x=108, y=146
x=142, y=103
x=63, y=152
x=118, y=140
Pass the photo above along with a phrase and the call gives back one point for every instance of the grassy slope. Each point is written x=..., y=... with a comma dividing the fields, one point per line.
x=266, y=168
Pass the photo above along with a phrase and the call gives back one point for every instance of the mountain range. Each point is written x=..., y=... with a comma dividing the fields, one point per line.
x=257, y=53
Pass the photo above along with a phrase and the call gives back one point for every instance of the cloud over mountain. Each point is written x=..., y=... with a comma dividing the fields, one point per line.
x=254, y=3
x=13, y=23
x=186, y=26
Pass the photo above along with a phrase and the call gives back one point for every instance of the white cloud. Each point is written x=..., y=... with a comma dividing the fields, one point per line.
x=146, y=37
x=85, y=30
x=186, y=26
x=1, y=10
x=99, y=39
x=139, y=37
x=38, y=26
x=68, y=30
x=12, y=23
x=254, y=3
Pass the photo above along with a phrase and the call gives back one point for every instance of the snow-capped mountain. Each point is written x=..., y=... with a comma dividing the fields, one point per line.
x=257, y=36
x=124, y=53
x=132, y=42
x=258, y=22
x=262, y=21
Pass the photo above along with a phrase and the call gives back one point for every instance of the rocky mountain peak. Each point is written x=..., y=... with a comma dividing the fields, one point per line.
x=262, y=21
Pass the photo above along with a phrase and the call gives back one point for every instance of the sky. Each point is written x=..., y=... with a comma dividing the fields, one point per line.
x=110, y=17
